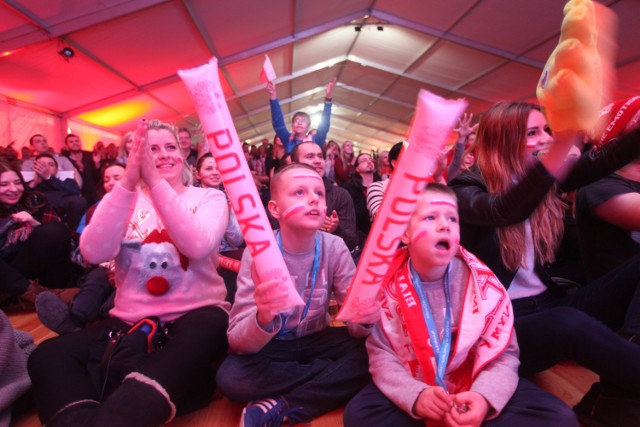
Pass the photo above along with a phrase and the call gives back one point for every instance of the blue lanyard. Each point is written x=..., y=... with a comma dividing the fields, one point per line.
x=440, y=350
x=314, y=277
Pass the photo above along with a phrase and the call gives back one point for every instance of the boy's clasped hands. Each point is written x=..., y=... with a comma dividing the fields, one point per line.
x=464, y=409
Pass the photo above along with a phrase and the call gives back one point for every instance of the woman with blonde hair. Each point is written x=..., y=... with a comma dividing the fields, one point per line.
x=169, y=320
x=511, y=217
x=345, y=162
x=125, y=147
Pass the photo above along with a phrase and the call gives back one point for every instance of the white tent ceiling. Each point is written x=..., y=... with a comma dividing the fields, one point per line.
x=127, y=54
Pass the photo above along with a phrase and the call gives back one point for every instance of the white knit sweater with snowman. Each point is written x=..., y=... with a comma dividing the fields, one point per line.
x=165, y=247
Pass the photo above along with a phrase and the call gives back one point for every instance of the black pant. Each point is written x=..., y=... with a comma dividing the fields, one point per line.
x=529, y=407
x=58, y=367
x=548, y=334
x=45, y=256
x=318, y=372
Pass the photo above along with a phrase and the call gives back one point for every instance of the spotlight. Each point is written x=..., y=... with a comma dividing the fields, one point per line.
x=358, y=28
x=380, y=28
x=67, y=53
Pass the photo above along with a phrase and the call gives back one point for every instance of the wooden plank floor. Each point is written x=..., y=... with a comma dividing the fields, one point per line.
x=568, y=381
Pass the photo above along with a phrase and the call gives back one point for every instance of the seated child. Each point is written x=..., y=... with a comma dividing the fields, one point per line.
x=301, y=121
x=445, y=352
x=293, y=363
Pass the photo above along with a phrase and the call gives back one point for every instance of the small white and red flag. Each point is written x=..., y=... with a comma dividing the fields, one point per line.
x=267, y=74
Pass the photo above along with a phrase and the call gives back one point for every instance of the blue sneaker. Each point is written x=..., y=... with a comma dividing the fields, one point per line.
x=271, y=413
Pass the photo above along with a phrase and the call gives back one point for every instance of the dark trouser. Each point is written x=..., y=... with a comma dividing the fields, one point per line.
x=548, y=334
x=529, y=407
x=94, y=299
x=318, y=372
x=614, y=298
x=58, y=367
x=230, y=277
x=45, y=256
x=74, y=207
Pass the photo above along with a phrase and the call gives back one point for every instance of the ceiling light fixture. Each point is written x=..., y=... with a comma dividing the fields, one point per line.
x=67, y=53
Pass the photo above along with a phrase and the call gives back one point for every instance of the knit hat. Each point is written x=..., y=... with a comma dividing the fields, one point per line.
x=614, y=118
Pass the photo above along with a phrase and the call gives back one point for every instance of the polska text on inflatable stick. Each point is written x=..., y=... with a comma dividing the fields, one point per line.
x=576, y=81
x=204, y=86
x=432, y=124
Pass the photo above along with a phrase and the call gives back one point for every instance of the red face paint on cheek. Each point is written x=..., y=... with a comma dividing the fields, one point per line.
x=420, y=234
x=292, y=210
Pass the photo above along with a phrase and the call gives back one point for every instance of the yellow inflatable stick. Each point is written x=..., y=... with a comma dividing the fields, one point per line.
x=576, y=81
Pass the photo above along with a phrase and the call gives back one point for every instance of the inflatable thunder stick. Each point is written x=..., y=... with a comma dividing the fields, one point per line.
x=432, y=124
x=229, y=263
x=204, y=87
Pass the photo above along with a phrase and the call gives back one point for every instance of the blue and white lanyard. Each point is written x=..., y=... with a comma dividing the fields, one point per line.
x=314, y=277
x=440, y=350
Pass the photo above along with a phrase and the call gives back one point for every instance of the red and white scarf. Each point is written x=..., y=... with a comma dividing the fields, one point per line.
x=484, y=328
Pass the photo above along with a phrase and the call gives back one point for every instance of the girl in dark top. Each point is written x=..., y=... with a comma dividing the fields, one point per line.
x=512, y=219
x=34, y=244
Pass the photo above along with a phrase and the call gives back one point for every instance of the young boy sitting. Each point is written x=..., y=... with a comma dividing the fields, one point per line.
x=292, y=365
x=301, y=121
x=444, y=352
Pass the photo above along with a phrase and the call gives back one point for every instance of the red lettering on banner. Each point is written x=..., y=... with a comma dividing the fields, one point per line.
x=228, y=163
x=240, y=208
x=393, y=244
x=419, y=183
x=246, y=224
x=375, y=277
x=489, y=282
x=388, y=220
x=256, y=248
x=384, y=259
x=221, y=138
x=398, y=200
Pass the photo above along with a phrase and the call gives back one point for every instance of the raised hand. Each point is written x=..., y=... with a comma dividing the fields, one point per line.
x=464, y=125
x=132, y=171
x=331, y=223
x=271, y=88
x=330, y=86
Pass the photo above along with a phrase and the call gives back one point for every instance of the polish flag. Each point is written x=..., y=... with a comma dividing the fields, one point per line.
x=267, y=74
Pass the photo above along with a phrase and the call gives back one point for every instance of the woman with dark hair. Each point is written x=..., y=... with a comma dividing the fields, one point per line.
x=34, y=244
x=232, y=244
x=275, y=158
x=511, y=217
x=363, y=175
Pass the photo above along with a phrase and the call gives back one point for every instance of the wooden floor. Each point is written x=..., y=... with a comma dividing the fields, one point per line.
x=567, y=381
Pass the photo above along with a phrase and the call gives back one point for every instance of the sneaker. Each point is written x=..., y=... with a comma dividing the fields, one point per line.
x=606, y=405
x=271, y=413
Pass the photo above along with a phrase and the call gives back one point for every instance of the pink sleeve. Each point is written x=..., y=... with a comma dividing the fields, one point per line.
x=100, y=241
x=195, y=230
